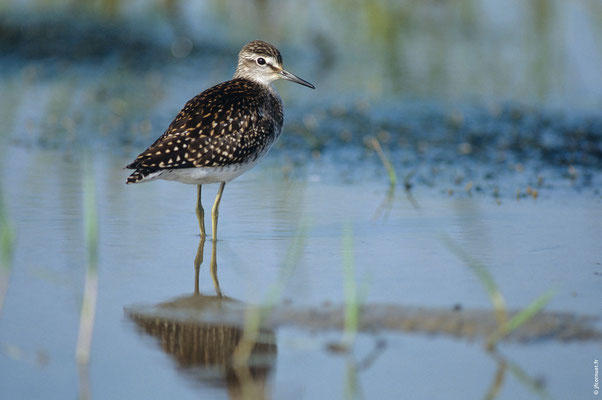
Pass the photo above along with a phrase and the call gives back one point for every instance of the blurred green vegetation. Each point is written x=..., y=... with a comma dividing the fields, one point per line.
x=255, y=317
x=505, y=324
x=90, y=296
x=532, y=50
x=7, y=238
x=352, y=298
x=7, y=248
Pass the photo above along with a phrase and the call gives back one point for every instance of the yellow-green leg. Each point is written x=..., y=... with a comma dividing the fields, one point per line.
x=213, y=269
x=215, y=210
x=200, y=213
x=198, y=260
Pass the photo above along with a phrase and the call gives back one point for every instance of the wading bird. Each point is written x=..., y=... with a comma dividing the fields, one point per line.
x=222, y=132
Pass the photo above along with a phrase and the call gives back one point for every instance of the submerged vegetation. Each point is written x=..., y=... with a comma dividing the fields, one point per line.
x=352, y=300
x=90, y=295
x=256, y=317
x=412, y=97
x=7, y=247
x=505, y=325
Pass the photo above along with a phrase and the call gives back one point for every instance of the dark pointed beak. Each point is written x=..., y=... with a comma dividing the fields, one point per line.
x=293, y=78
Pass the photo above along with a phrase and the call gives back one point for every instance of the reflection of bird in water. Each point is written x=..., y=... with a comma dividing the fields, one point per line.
x=222, y=132
x=205, y=350
x=198, y=260
x=202, y=333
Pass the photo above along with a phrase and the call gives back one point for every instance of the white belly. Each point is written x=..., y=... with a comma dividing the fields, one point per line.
x=202, y=176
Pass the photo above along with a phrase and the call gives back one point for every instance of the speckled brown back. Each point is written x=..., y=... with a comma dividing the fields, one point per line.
x=231, y=123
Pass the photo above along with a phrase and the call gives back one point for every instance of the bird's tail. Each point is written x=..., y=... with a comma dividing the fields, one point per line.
x=142, y=175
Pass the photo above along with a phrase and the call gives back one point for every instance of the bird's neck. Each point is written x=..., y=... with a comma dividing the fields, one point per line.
x=265, y=85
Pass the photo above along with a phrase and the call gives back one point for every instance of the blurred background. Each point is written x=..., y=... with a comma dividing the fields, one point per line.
x=488, y=111
x=123, y=69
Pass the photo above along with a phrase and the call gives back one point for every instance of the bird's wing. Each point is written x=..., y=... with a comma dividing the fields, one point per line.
x=211, y=133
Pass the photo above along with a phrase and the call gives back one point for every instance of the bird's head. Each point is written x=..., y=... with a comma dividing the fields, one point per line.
x=261, y=62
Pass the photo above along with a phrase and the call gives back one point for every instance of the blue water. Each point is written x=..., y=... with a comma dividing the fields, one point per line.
x=482, y=99
x=148, y=239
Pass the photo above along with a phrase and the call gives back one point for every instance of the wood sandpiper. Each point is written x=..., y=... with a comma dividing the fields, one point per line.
x=222, y=132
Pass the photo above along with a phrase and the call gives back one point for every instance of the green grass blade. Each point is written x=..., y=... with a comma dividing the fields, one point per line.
x=91, y=220
x=520, y=318
x=481, y=272
x=88, y=310
x=254, y=316
x=7, y=248
x=532, y=384
x=352, y=311
x=385, y=161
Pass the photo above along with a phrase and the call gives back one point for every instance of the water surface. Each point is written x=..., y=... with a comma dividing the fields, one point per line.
x=148, y=240
x=488, y=111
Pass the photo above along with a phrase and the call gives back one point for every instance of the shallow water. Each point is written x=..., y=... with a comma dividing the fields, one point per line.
x=489, y=111
x=148, y=240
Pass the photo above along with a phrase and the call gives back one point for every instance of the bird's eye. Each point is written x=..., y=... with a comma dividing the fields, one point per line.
x=261, y=61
